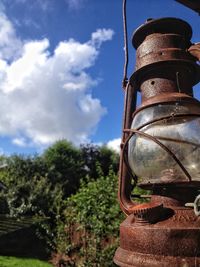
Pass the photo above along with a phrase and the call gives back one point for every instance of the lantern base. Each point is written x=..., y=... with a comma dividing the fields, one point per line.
x=124, y=258
x=173, y=241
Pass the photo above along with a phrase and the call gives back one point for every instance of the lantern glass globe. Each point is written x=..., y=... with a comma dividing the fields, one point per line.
x=181, y=134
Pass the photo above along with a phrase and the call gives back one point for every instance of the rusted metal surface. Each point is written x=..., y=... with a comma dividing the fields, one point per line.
x=162, y=232
x=166, y=97
x=173, y=241
x=164, y=26
x=192, y=4
x=147, y=213
x=162, y=58
x=157, y=51
x=125, y=176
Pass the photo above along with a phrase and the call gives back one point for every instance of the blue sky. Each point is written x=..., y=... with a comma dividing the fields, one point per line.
x=61, y=66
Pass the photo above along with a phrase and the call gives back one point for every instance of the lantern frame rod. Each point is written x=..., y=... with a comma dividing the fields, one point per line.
x=154, y=139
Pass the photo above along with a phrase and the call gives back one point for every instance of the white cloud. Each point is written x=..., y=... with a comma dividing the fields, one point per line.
x=114, y=144
x=45, y=97
x=19, y=141
x=10, y=45
x=101, y=35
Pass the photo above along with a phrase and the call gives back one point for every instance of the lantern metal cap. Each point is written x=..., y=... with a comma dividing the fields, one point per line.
x=162, y=25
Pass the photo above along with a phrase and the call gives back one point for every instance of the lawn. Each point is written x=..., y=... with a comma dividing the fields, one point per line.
x=21, y=262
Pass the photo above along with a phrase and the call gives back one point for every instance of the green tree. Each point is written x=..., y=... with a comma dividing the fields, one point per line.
x=65, y=166
x=17, y=167
x=102, y=156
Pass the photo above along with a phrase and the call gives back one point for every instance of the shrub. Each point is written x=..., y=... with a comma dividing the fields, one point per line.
x=92, y=223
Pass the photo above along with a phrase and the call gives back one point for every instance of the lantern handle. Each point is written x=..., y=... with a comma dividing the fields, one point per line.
x=125, y=79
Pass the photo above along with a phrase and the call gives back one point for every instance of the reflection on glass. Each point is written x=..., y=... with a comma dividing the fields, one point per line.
x=150, y=162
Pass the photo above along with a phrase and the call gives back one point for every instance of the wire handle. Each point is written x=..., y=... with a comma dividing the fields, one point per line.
x=125, y=79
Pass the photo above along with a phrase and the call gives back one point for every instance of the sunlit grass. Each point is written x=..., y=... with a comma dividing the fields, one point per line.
x=21, y=262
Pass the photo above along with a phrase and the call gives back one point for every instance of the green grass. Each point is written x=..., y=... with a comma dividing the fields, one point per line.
x=21, y=262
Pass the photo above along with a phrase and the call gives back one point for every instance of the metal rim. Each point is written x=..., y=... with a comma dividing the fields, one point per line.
x=167, y=25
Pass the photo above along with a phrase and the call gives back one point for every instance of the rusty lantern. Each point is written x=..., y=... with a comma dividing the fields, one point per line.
x=161, y=150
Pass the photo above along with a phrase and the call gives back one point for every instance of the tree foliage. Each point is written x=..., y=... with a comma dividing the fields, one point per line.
x=65, y=166
x=93, y=213
x=94, y=156
x=70, y=192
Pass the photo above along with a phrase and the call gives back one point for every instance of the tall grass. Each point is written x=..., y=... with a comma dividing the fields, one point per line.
x=21, y=262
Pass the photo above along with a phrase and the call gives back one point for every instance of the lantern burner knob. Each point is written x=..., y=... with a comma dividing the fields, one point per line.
x=195, y=205
x=147, y=213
